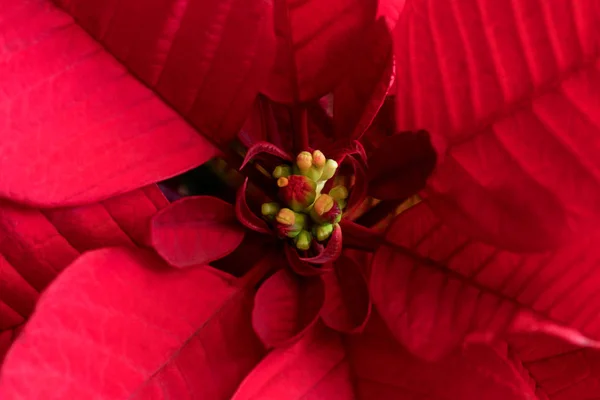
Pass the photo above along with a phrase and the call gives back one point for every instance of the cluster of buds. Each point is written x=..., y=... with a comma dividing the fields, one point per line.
x=306, y=214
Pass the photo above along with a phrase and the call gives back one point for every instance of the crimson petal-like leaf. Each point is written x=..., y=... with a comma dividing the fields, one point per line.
x=122, y=324
x=39, y=244
x=513, y=91
x=385, y=370
x=361, y=93
x=347, y=303
x=196, y=230
x=245, y=215
x=314, y=46
x=436, y=287
x=558, y=369
x=316, y=367
x=332, y=250
x=265, y=148
x=286, y=305
x=401, y=165
x=302, y=267
x=206, y=58
x=75, y=125
x=323, y=365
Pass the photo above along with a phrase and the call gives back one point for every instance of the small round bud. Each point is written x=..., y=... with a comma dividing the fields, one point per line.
x=304, y=161
x=282, y=182
x=339, y=192
x=319, y=159
x=322, y=232
x=282, y=171
x=285, y=216
x=303, y=240
x=268, y=209
x=329, y=169
x=323, y=204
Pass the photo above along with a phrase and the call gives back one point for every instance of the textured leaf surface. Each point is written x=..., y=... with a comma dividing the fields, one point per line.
x=373, y=366
x=436, y=287
x=206, y=58
x=286, y=306
x=195, y=231
x=38, y=244
x=361, y=93
x=557, y=369
x=314, y=45
x=513, y=90
x=122, y=324
x=75, y=125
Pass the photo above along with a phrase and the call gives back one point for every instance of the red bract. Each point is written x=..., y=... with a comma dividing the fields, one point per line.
x=513, y=91
x=38, y=244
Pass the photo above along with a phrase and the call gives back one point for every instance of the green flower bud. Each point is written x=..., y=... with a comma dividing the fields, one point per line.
x=329, y=169
x=282, y=171
x=339, y=192
x=322, y=232
x=269, y=209
x=303, y=240
x=304, y=160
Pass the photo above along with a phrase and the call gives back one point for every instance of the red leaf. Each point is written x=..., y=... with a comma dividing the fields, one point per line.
x=401, y=165
x=347, y=303
x=37, y=244
x=558, y=369
x=361, y=93
x=315, y=41
x=315, y=367
x=303, y=268
x=75, y=125
x=265, y=148
x=195, y=231
x=245, y=216
x=332, y=250
x=373, y=366
x=120, y=324
x=207, y=59
x=385, y=370
x=513, y=90
x=435, y=287
x=286, y=305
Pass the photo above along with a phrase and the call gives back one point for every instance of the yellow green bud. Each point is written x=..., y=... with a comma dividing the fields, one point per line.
x=304, y=161
x=339, y=192
x=269, y=209
x=322, y=232
x=303, y=240
x=282, y=171
x=329, y=169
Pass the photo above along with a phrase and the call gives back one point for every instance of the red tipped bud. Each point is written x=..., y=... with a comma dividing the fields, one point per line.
x=319, y=159
x=304, y=161
x=326, y=210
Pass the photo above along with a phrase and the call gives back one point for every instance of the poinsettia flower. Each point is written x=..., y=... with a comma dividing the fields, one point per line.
x=309, y=275
x=193, y=338
x=37, y=244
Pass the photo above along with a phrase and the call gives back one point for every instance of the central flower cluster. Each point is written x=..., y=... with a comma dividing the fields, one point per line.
x=306, y=213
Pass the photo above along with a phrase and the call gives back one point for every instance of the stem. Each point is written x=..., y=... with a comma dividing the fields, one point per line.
x=300, y=126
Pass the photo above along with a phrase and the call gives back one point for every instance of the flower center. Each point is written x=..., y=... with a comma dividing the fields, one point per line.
x=305, y=214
